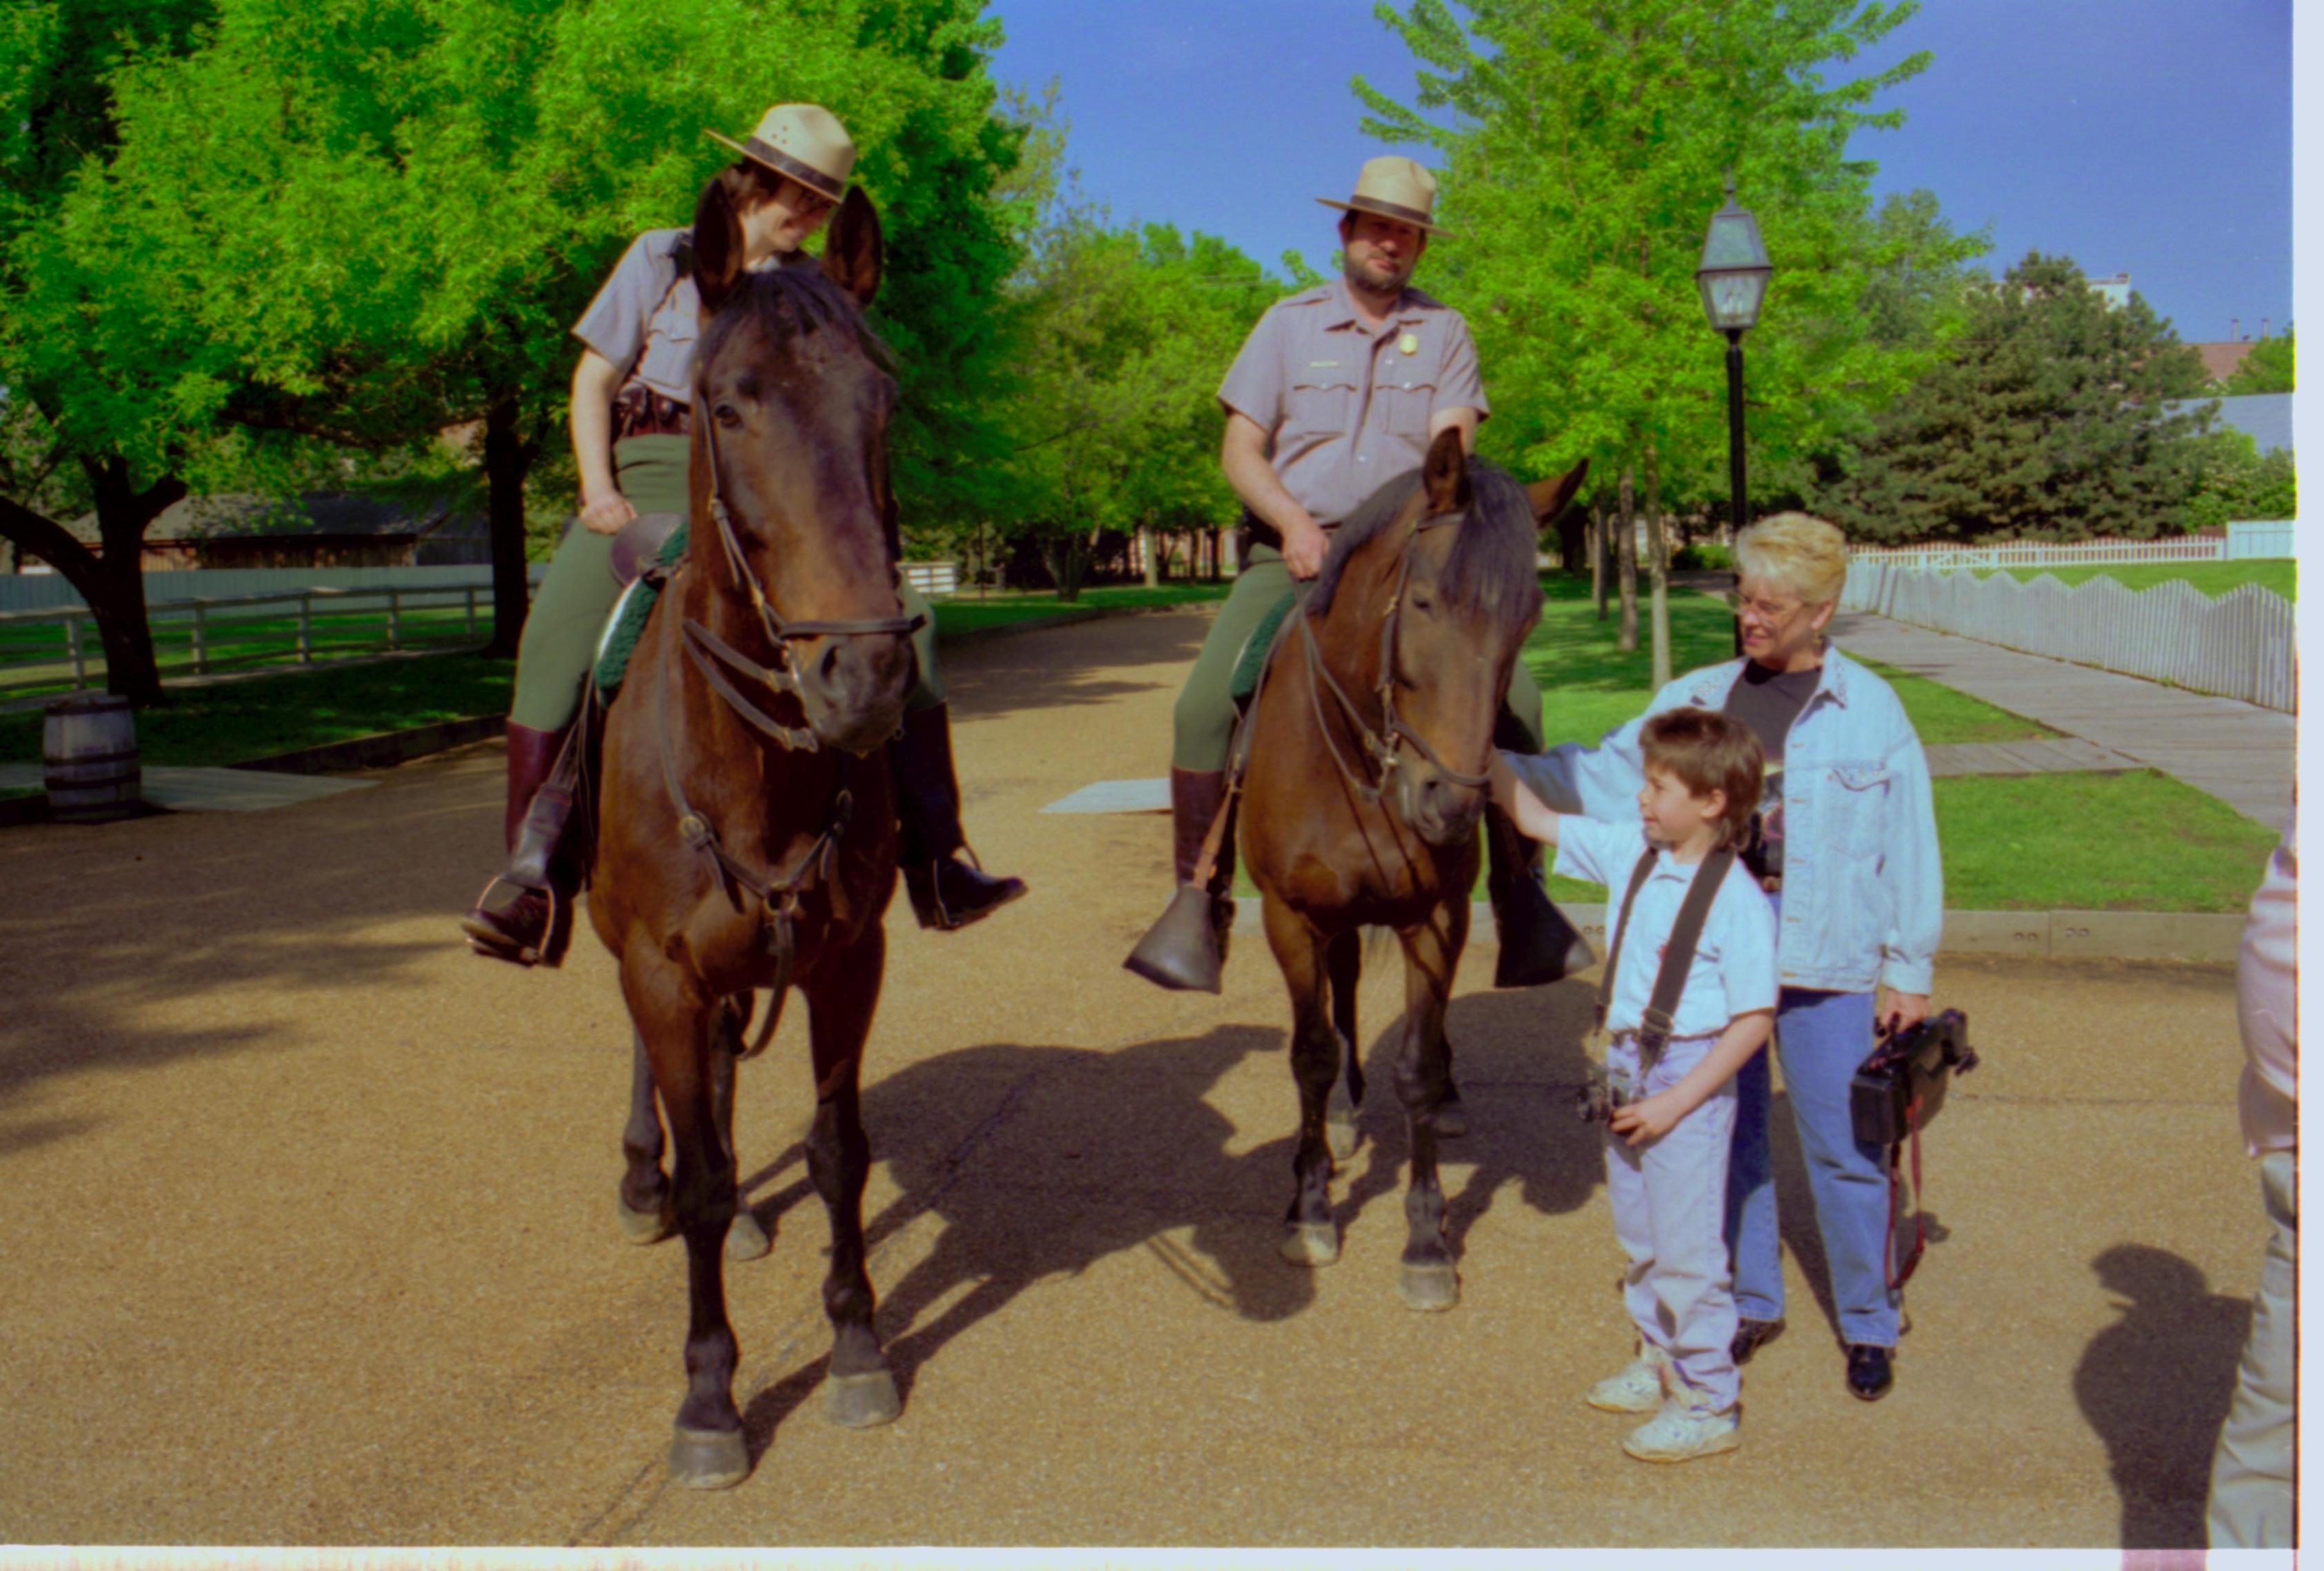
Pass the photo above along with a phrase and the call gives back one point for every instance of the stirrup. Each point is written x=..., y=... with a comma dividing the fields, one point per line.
x=489, y=937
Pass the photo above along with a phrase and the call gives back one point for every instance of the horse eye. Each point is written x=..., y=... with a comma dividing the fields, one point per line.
x=727, y=415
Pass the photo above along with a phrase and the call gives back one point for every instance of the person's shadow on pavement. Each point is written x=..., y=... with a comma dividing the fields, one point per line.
x=2155, y=1385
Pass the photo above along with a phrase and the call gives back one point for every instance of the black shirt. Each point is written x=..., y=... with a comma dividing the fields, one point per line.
x=1769, y=701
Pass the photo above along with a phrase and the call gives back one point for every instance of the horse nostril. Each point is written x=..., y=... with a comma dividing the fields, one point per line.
x=826, y=669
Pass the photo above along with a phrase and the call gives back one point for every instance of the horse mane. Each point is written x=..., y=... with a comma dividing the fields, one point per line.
x=1488, y=571
x=789, y=302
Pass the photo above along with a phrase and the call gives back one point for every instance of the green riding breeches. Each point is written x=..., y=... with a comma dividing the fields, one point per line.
x=1204, y=722
x=576, y=595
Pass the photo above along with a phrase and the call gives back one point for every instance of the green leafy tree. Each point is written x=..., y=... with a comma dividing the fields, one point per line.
x=1582, y=147
x=363, y=221
x=2235, y=480
x=2050, y=419
x=2267, y=368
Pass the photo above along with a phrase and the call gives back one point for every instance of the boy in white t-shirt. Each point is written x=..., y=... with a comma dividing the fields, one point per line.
x=1666, y=1147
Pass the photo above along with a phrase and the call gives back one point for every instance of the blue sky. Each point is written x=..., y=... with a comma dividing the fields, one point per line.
x=2146, y=136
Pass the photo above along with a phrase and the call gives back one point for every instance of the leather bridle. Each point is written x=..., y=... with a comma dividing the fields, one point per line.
x=1381, y=743
x=720, y=662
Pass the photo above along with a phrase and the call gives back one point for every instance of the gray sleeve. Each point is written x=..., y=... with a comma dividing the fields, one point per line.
x=1459, y=385
x=1254, y=384
x=614, y=325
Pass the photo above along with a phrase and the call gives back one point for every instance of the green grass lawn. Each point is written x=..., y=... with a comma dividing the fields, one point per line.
x=227, y=723
x=232, y=644
x=2213, y=578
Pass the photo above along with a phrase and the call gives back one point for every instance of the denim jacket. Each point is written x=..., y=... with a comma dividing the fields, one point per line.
x=1863, y=896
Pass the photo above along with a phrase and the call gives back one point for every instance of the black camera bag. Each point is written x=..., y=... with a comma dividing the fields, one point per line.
x=1902, y=1084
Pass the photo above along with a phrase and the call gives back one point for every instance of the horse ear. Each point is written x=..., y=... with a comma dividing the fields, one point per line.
x=1551, y=496
x=1444, y=474
x=853, y=255
x=717, y=245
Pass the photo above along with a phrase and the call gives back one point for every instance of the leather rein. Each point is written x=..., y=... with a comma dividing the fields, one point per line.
x=1381, y=743
x=778, y=891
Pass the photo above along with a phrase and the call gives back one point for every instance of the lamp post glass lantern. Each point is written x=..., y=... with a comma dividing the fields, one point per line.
x=1733, y=281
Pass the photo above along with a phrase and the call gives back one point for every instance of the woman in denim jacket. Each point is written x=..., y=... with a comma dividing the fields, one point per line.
x=1848, y=855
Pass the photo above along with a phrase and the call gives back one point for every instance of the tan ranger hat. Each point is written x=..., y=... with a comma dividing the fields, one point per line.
x=805, y=143
x=1394, y=188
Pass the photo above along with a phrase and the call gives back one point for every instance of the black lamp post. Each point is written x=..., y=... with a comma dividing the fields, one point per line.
x=1733, y=280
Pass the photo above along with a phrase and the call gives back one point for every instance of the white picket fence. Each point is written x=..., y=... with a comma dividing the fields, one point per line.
x=2238, y=646
x=2244, y=541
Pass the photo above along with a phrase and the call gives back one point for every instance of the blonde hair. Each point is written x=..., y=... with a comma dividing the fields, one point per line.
x=1798, y=549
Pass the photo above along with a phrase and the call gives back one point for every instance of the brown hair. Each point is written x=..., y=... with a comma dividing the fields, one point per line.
x=1706, y=752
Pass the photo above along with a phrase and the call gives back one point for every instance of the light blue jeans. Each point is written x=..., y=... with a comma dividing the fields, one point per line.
x=1666, y=1200
x=1823, y=1039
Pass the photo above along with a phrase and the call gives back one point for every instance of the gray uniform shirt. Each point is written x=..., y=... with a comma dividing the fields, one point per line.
x=1347, y=406
x=644, y=319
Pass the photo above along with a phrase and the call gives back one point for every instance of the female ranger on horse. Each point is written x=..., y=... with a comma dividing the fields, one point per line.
x=631, y=420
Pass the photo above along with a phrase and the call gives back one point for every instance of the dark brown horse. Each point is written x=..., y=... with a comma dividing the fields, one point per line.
x=747, y=840
x=1372, y=734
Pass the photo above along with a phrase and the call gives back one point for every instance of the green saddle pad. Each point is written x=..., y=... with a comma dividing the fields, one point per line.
x=1253, y=659
x=629, y=619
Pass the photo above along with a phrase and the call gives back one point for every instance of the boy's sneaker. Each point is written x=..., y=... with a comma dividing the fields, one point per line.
x=1681, y=1432
x=1638, y=1389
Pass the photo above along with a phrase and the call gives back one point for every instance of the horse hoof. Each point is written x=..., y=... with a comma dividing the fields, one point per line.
x=745, y=1239
x=1310, y=1244
x=647, y=1227
x=859, y=1402
x=1428, y=1287
x=708, y=1458
x=1451, y=1118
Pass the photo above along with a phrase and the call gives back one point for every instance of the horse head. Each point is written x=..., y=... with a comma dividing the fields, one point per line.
x=792, y=397
x=1458, y=604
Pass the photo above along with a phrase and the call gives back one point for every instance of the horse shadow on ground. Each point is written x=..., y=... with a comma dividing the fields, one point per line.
x=2155, y=1387
x=1086, y=1154
x=1015, y=675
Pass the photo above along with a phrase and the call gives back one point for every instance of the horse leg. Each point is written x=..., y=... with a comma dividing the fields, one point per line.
x=841, y=996
x=682, y=1030
x=1429, y=1281
x=645, y=1213
x=1344, y=962
x=745, y=1239
x=1310, y=1237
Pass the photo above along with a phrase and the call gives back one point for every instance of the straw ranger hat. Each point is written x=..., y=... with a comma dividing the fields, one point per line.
x=802, y=142
x=1394, y=188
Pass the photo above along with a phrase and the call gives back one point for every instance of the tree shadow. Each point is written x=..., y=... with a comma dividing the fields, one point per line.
x=1086, y=1154
x=1009, y=676
x=2155, y=1387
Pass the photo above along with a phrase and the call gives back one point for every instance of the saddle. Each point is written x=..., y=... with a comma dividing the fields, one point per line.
x=645, y=550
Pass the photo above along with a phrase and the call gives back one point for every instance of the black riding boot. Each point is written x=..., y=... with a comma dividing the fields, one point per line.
x=946, y=892
x=1538, y=945
x=525, y=914
x=1187, y=947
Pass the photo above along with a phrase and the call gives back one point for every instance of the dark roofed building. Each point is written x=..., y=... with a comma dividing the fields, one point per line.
x=320, y=530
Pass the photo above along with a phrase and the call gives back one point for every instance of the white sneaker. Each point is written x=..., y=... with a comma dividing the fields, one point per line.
x=1638, y=1389
x=1681, y=1432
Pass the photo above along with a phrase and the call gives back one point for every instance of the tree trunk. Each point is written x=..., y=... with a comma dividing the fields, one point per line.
x=1598, y=554
x=507, y=458
x=1658, y=565
x=1626, y=559
x=113, y=582
x=1150, y=547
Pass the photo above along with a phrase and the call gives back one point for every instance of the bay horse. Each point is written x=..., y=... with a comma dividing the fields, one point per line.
x=1372, y=735
x=747, y=835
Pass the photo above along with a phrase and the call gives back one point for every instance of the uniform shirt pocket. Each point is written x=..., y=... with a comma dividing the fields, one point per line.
x=1857, y=804
x=1321, y=408
x=1405, y=406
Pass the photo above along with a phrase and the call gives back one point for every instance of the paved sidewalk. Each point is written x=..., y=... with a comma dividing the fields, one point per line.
x=209, y=790
x=2238, y=753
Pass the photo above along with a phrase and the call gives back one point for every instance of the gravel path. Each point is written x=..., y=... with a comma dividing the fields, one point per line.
x=310, y=1231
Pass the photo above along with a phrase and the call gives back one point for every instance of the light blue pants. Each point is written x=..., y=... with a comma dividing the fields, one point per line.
x=1822, y=1038
x=2251, y=1500
x=1667, y=1196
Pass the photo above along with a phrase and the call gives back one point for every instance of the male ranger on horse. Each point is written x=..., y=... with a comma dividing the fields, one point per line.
x=1336, y=392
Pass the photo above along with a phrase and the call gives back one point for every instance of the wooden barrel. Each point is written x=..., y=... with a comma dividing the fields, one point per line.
x=90, y=747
